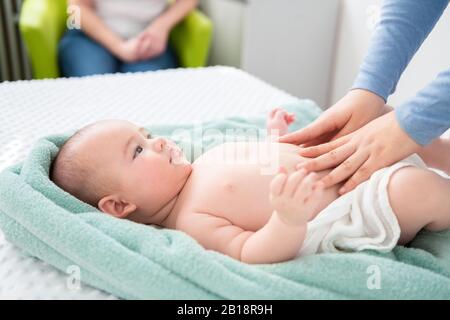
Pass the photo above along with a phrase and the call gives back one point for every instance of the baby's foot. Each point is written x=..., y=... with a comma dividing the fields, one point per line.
x=278, y=122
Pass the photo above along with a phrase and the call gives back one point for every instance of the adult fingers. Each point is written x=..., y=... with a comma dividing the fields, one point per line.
x=362, y=174
x=144, y=47
x=346, y=130
x=345, y=169
x=328, y=160
x=310, y=132
x=153, y=52
x=315, y=151
x=319, y=140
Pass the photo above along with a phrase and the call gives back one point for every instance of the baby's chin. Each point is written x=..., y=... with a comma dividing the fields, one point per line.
x=181, y=161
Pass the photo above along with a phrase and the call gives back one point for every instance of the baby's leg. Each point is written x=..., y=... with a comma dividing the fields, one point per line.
x=437, y=154
x=278, y=122
x=420, y=198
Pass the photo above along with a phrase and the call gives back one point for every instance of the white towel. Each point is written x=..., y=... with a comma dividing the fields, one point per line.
x=361, y=219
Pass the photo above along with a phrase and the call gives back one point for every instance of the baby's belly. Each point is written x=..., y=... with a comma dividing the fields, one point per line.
x=232, y=181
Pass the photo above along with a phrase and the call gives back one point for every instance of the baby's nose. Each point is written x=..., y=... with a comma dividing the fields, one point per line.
x=159, y=144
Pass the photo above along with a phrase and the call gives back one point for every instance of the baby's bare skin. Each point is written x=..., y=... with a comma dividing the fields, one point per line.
x=233, y=200
x=227, y=197
x=228, y=183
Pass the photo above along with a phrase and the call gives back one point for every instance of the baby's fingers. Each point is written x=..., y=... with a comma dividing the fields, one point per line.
x=305, y=188
x=277, y=184
x=293, y=182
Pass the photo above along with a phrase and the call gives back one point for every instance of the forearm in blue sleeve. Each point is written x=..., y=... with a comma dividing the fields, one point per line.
x=427, y=115
x=403, y=26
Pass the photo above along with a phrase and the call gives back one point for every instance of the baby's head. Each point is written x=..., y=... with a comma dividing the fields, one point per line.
x=122, y=170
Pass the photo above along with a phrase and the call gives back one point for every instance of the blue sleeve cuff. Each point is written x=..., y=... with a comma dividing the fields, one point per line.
x=366, y=82
x=414, y=127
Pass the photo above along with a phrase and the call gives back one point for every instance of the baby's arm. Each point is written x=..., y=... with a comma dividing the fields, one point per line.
x=294, y=201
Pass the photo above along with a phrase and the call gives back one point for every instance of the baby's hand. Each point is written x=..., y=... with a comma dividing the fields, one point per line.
x=294, y=198
x=278, y=122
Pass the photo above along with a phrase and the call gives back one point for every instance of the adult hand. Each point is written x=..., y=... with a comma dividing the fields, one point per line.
x=378, y=144
x=127, y=50
x=153, y=41
x=353, y=111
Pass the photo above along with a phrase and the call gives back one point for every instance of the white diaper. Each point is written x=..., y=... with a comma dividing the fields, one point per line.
x=361, y=219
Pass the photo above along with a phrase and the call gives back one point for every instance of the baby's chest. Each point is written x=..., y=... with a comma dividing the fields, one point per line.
x=232, y=181
x=239, y=194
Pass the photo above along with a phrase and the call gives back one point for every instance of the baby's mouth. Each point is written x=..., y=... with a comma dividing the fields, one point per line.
x=170, y=154
x=174, y=155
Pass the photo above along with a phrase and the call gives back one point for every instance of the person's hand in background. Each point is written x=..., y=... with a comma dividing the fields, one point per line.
x=350, y=113
x=356, y=156
x=127, y=50
x=153, y=41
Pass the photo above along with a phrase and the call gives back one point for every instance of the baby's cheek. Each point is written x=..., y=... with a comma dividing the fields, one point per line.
x=151, y=170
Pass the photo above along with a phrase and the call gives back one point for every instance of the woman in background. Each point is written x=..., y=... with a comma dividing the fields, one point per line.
x=121, y=36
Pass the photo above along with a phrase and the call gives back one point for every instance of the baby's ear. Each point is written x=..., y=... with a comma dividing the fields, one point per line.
x=116, y=207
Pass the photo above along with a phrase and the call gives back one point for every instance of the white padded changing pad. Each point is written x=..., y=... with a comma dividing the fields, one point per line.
x=32, y=109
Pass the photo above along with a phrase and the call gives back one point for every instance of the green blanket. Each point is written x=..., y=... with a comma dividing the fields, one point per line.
x=137, y=261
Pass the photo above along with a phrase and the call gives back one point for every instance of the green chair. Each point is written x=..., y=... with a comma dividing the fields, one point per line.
x=43, y=22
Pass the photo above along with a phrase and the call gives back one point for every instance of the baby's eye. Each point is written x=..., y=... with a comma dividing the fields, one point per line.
x=137, y=151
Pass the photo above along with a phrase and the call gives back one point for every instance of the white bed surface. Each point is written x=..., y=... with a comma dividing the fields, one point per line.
x=33, y=109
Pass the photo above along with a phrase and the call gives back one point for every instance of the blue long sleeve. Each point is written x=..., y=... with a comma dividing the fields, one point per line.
x=403, y=26
x=427, y=115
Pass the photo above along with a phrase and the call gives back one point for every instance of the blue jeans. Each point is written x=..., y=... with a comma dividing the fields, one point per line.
x=80, y=56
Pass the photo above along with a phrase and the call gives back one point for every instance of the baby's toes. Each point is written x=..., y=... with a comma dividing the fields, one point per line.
x=280, y=115
x=290, y=117
x=272, y=113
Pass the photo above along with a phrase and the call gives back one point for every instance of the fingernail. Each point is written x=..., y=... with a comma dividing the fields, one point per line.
x=342, y=190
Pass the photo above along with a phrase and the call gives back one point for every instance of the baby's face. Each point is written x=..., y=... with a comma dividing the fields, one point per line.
x=148, y=171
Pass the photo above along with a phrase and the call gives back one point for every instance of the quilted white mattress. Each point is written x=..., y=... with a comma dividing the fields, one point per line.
x=32, y=109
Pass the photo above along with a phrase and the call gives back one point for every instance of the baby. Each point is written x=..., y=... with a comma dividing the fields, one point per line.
x=233, y=204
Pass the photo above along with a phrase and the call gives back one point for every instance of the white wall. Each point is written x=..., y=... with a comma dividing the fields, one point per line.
x=287, y=43
x=290, y=44
x=227, y=17
x=300, y=46
x=353, y=39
